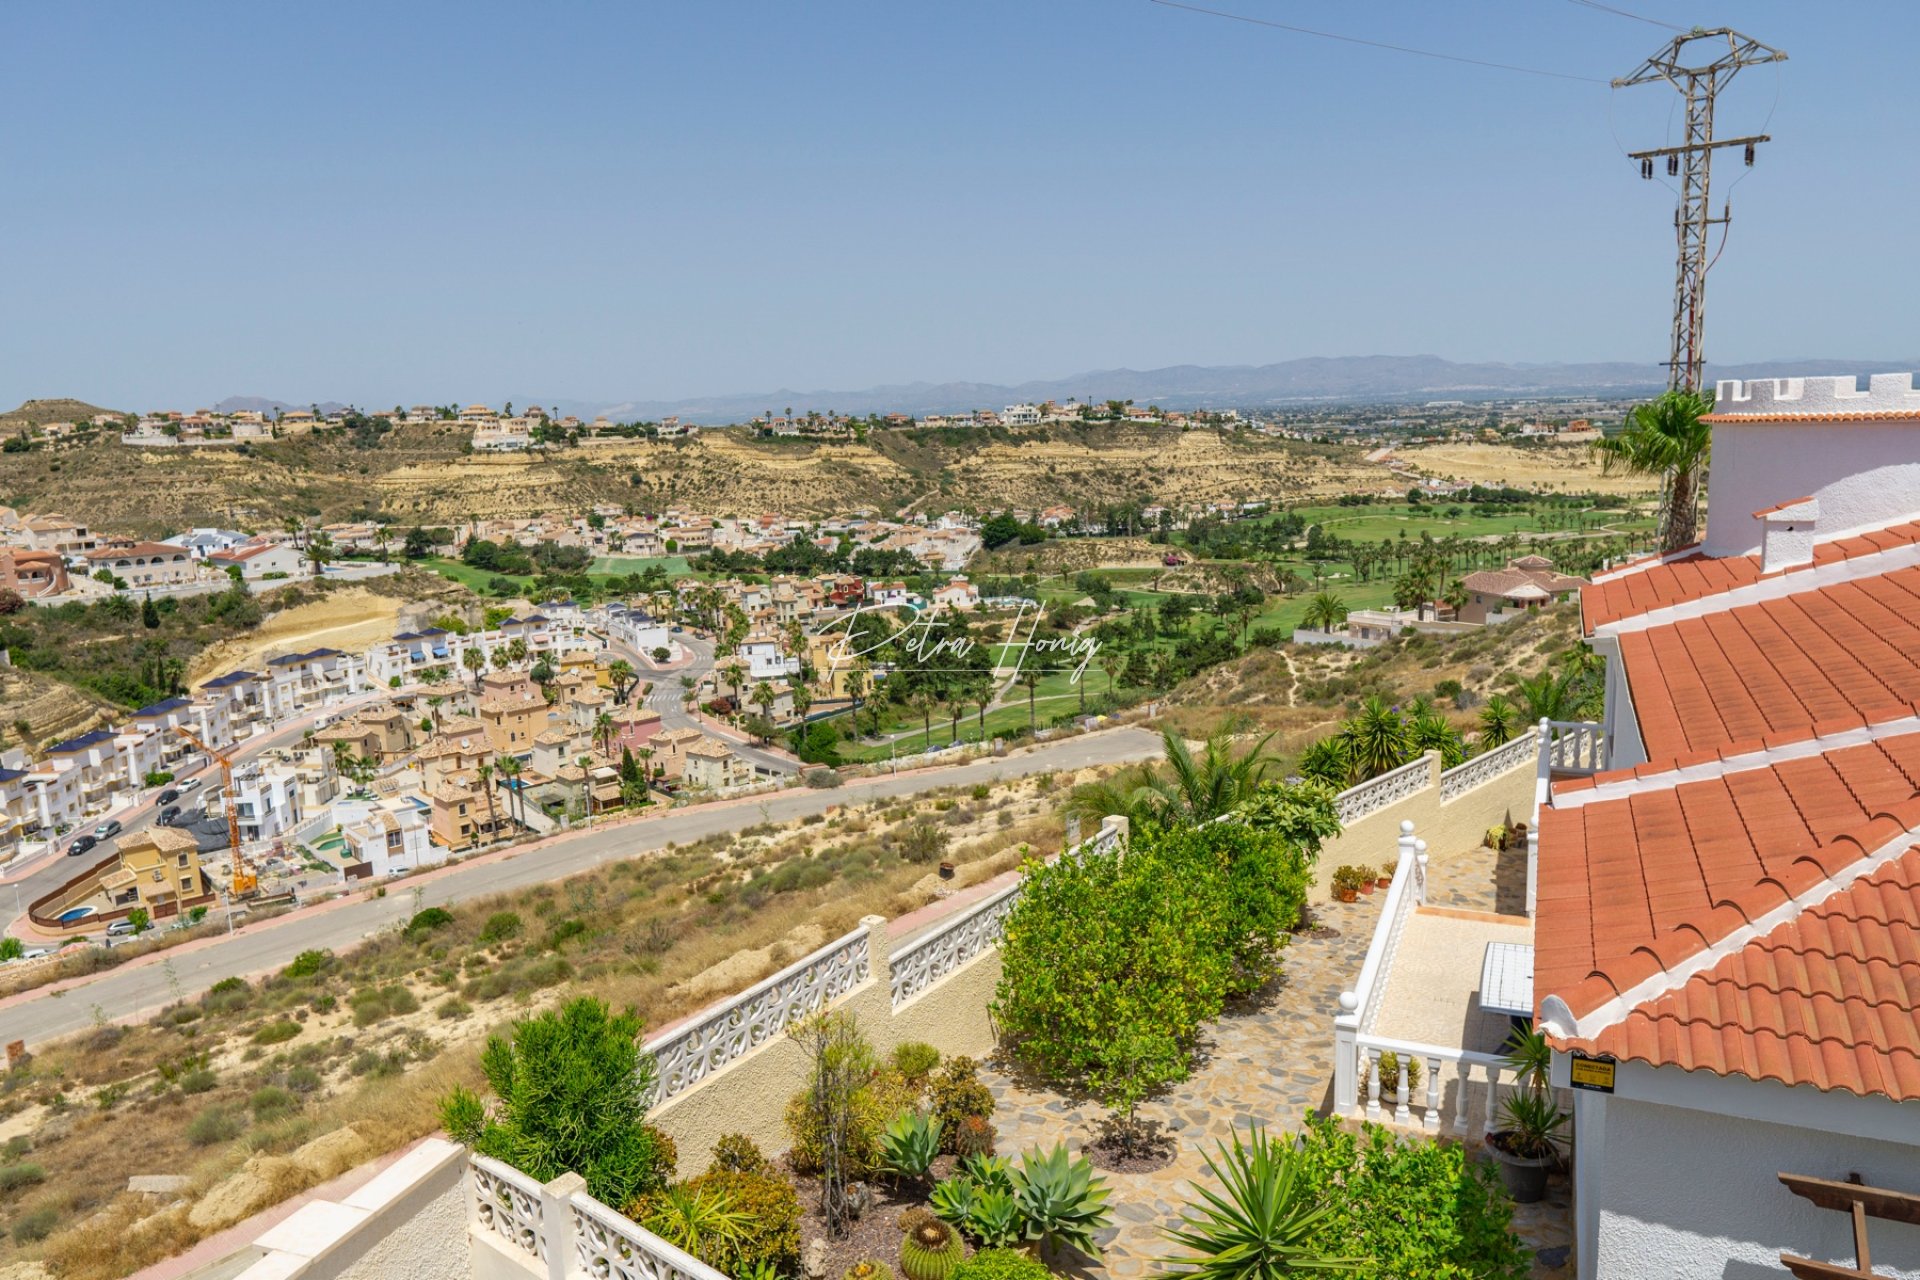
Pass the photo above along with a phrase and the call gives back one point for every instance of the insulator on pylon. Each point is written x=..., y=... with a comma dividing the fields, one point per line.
x=1749, y=155
x=1646, y=168
x=1673, y=166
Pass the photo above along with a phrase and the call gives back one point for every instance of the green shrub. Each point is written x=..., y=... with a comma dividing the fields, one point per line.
x=33, y=1227
x=215, y=1125
x=270, y=1103
x=453, y=1007
x=1001, y=1264
x=956, y=1094
x=500, y=926
x=308, y=964
x=1408, y=1207
x=277, y=1032
x=915, y=1061
x=303, y=1080
x=571, y=1086
x=198, y=1080
x=15, y=1176
x=380, y=1003
x=425, y=922
x=771, y=1234
x=739, y=1153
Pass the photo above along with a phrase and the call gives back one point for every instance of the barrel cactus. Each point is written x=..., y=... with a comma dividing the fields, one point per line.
x=930, y=1251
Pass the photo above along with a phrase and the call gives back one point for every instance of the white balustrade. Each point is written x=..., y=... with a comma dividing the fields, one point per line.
x=928, y=960
x=1360, y=1006
x=610, y=1246
x=686, y=1056
x=1376, y=794
x=507, y=1203
x=1487, y=766
x=1574, y=746
x=1441, y=1066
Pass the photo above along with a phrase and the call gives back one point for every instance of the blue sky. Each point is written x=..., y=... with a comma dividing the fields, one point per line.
x=399, y=202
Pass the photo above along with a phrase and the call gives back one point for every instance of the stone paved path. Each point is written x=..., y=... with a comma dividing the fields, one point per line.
x=1269, y=1062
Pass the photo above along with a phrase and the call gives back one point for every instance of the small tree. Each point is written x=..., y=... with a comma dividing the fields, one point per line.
x=139, y=919
x=843, y=1064
x=571, y=1088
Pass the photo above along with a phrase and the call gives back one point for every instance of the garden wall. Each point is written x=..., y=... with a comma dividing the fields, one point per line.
x=1450, y=810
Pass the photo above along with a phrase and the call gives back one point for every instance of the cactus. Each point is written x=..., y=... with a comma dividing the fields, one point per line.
x=930, y=1251
x=973, y=1136
x=869, y=1269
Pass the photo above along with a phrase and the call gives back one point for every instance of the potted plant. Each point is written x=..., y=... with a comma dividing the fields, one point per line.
x=1529, y=1141
x=1390, y=1069
x=1385, y=880
x=1496, y=837
x=1346, y=883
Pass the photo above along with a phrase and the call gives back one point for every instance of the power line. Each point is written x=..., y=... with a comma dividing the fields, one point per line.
x=1622, y=13
x=1376, y=44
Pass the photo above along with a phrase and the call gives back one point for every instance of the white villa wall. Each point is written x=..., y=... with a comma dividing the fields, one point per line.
x=1678, y=1176
x=1865, y=474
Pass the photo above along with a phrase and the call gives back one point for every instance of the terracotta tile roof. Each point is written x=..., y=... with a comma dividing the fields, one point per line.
x=1632, y=590
x=1830, y=999
x=1859, y=415
x=1805, y=664
x=1630, y=887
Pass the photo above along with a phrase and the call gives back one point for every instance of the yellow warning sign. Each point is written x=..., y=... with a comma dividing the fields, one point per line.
x=1592, y=1073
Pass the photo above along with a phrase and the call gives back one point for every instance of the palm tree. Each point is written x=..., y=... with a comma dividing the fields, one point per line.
x=1217, y=781
x=319, y=551
x=1498, y=722
x=1667, y=438
x=1111, y=664
x=475, y=661
x=622, y=673
x=1377, y=739
x=603, y=731
x=763, y=698
x=484, y=772
x=1327, y=760
x=517, y=650
x=510, y=770
x=1325, y=612
x=1546, y=696
x=1030, y=678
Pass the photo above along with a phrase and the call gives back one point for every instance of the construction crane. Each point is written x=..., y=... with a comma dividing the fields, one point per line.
x=244, y=881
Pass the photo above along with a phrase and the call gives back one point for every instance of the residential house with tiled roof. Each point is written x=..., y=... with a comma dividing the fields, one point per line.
x=1496, y=595
x=1728, y=918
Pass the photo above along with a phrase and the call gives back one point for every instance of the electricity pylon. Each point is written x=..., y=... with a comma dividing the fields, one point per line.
x=1692, y=162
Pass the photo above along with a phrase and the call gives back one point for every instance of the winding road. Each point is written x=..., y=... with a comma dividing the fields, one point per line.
x=185, y=971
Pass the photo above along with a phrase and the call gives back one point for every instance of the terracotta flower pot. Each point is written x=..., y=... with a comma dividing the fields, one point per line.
x=1367, y=888
x=946, y=871
x=1345, y=895
x=1384, y=882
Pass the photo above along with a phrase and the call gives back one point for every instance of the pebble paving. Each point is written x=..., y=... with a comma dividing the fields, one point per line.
x=1269, y=1061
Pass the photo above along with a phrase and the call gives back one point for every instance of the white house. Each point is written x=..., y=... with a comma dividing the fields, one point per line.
x=257, y=560
x=767, y=658
x=1728, y=921
x=393, y=841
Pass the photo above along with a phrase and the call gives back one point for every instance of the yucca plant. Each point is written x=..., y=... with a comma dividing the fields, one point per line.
x=1260, y=1224
x=695, y=1221
x=1531, y=1125
x=930, y=1251
x=1060, y=1199
x=994, y=1220
x=910, y=1144
x=953, y=1199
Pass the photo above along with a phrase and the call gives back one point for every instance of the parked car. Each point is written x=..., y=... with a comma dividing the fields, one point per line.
x=107, y=830
x=188, y=784
x=169, y=816
x=80, y=845
x=169, y=795
x=121, y=929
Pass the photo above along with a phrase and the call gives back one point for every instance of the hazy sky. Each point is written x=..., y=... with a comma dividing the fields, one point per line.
x=392, y=202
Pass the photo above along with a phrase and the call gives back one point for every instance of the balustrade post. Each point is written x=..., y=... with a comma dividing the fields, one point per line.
x=1431, y=1121
x=1402, y=1112
x=1420, y=873
x=1373, y=1084
x=879, y=952
x=1460, y=1095
x=556, y=1225
x=1407, y=847
x=1546, y=749
x=1346, y=1055
x=1533, y=864
x=1119, y=827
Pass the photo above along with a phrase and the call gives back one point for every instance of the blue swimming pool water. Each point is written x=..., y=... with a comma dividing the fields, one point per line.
x=76, y=913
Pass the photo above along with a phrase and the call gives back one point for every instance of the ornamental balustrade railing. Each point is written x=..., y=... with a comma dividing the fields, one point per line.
x=1484, y=768
x=923, y=963
x=557, y=1231
x=1360, y=1006
x=1375, y=794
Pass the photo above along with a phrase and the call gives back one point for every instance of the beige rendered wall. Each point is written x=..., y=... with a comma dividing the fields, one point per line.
x=1449, y=827
x=749, y=1095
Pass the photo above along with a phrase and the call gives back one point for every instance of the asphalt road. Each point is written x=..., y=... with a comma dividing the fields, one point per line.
x=128, y=992
x=666, y=698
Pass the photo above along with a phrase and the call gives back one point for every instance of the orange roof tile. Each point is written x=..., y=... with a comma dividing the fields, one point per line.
x=1839, y=655
x=1632, y=590
x=1830, y=999
x=1629, y=886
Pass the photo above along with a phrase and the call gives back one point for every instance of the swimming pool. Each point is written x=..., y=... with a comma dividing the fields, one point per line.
x=75, y=913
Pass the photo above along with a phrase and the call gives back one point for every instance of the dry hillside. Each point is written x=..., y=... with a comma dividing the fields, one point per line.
x=425, y=474
x=50, y=710
x=33, y=413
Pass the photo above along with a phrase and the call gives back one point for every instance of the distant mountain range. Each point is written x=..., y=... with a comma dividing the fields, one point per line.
x=1329, y=380
x=260, y=404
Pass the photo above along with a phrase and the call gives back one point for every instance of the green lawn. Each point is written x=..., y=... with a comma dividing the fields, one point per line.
x=675, y=565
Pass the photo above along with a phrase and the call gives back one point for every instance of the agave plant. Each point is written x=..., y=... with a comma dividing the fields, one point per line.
x=1260, y=1224
x=1531, y=1125
x=988, y=1171
x=995, y=1220
x=910, y=1144
x=1061, y=1200
x=953, y=1199
x=696, y=1221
